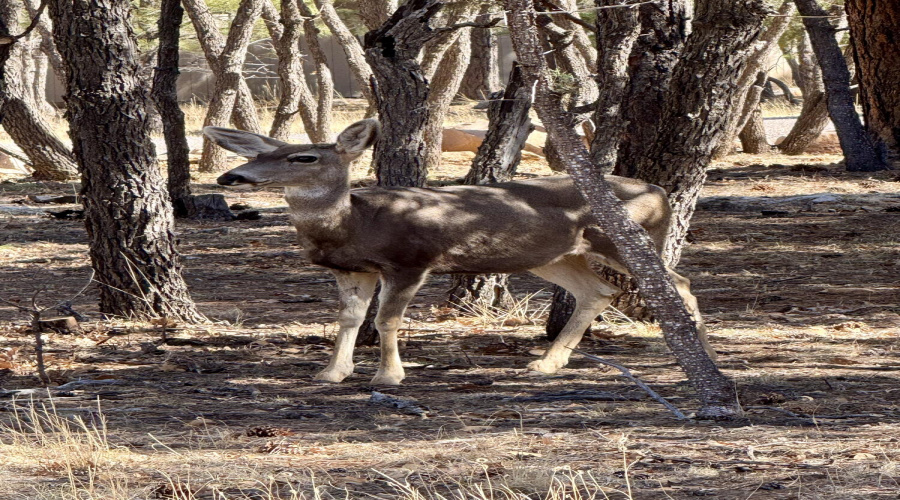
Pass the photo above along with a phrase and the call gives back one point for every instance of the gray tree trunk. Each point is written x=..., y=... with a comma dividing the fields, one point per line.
x=496, y=161
x=229, y=76
x=375, y=12
x=296, y=98
x=356, y=59
x=483, y=74
x=127, y=212
x=324, y=84
x=212, y=42
x=753, y=131
x=715, y=390
x=23, y=121
x=861, y=152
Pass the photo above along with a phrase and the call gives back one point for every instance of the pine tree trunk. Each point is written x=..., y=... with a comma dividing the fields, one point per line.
x=324, y=84
x=375, y=12
x=753, y=135
x=874, y=26
x=496, y=161
x=296, y=98
x=692, y=124
x=715, y=390
x=482, y=76
x=356, y=59
x=650, y=69
x=50, y=158
x=166, y=98
x=861, y=153
x=443, y=88
x=761, y=53
x=228, y=80
x=212, y=42
x=391, y=52
x=127, y=212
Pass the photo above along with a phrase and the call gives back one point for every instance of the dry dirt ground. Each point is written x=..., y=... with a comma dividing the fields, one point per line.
x=794, y=261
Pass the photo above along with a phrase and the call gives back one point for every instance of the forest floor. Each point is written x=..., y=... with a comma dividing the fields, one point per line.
x=795, y=263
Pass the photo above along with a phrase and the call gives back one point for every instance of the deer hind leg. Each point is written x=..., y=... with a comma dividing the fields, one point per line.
x=396, y=292
x=356, y=290
x=683, y=285
x=592, y=296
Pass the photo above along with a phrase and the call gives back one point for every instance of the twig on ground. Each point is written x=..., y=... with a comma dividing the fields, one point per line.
x=35, y=312
x=627, y=374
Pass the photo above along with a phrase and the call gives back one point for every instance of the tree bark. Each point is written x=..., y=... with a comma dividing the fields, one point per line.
x=874, y=32
x=296, y=98
x=483, y=75
x=861, y=152
x=443, y=88
x=356, y=58
x=697, y=110
x=496, y=161
x=761, y=52
x=324, y=84
x=392, y=52
x=166, y=98
x=48, y=47
x=127, y=212
x=715, y=390
x=229, y=76
x=212, y=42
x=50, y=158
x=617, y=32
x=650, y=69
x=375, y=12
x=753, y=130
x=569, y=60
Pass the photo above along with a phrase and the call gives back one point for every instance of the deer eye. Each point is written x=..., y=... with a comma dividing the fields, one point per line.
x=299, y=158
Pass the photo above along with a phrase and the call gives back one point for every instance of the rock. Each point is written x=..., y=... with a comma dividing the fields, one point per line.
x=63, y=324
x=62, y=200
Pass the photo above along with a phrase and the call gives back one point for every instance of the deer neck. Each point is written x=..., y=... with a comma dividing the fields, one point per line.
x=320, y=212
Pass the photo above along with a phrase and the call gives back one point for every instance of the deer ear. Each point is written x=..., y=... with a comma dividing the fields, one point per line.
x=246, y=144
x=358, y=137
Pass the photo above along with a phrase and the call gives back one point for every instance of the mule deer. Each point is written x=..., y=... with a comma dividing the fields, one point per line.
x=400, y=235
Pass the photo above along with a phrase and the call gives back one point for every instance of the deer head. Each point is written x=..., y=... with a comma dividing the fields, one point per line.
x=277, y=163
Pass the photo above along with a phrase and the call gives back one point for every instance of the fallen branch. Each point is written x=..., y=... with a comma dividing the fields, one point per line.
x=627, y=374
x=35, y=312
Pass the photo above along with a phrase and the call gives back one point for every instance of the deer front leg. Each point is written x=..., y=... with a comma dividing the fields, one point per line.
x=592, y=296
x=396, y=292
x=356, y=291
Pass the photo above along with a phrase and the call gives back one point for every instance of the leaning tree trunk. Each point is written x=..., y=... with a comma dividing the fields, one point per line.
x=861, y=152
x=443, y=88
x=49, y=157
x=496, y=161
x=679, y=328
x=753, y=131
x=763, y=49
x=375, y=12
x=617, y=32
x=482, y=76
x=48, y=47
x=874, y=35
x=228, y=80
x=212, y=42
x=296, y=98
x=693, y=123
x=127, y=211
x=324, y=84
x=356, y=59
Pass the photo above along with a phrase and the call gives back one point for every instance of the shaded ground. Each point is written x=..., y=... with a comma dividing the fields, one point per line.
x=795, y=265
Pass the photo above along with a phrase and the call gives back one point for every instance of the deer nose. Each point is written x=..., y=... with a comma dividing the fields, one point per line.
x=229, y=179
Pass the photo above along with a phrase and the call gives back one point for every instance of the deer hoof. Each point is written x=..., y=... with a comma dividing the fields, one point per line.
x=332, y=375
x=544, y=366
x=387, y=379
